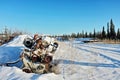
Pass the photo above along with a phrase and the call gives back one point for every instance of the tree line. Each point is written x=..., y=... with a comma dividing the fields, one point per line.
x=7, y=34
x=109, y=33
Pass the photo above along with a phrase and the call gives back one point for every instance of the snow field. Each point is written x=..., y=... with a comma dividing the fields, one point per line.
x=75, y=61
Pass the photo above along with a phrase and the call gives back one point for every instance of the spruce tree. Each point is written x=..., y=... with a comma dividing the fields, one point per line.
x=90, y=35
x=86, y=35
x=78, y=35
x=112, y=30
x=73, y=35
x=94, y=34
x=108, y=31
x=82, y=33
x=103, y=33
x=118, y=33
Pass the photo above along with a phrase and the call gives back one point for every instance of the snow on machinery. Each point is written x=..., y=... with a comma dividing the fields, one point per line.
x=38, y=56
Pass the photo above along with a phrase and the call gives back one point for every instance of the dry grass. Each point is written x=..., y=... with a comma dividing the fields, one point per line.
x=110, y=41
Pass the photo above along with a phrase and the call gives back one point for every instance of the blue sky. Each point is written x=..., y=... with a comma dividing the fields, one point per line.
x=58, y=16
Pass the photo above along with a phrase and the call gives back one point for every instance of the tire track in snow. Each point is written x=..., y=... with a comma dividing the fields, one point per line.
x=111, y=53
x=95, y=51
x=112, y=50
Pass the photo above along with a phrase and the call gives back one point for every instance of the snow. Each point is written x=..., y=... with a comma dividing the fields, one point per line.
x=76, y=61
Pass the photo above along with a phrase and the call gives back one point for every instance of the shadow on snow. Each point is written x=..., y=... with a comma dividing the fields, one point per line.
x=115, y=61
x=63, y=61
x=10, y=54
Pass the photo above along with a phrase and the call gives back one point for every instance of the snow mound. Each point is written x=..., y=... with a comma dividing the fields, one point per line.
x=11, y=51
x=14, y=73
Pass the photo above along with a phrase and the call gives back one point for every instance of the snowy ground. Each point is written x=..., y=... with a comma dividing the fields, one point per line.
x=77, y=61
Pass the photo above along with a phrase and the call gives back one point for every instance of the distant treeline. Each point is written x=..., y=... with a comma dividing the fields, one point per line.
x=110, y=33
x=7, y=34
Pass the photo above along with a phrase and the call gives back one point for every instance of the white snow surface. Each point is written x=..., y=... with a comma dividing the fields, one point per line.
x=76, y=61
